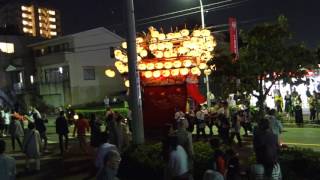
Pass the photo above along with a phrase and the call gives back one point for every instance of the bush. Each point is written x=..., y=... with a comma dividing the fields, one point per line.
x=100, y=113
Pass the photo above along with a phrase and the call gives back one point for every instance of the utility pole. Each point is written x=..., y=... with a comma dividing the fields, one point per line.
x=134, y=89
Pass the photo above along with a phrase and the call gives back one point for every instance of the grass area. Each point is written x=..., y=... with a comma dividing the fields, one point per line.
x=302, y=137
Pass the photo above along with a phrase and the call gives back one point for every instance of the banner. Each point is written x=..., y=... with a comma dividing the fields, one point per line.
x=233, y=37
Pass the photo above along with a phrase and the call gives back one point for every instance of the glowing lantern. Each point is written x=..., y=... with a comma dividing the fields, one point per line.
x=150, y=66
x=118, y=64
x=139, y=58
x=148, y=74
x=175, y=72
x=177, y=64
x=124, y=59
x=156, y=74
x=155, y=34
x=144, y=53
x=121, y=70
x=207, y=72
x=196, y=33
x=127, y=83
x=184, y=71
x=177, y=35
x=139, y=40
x=159, y=65
x=195, y=71
x=167, y=54
x=205, y=33
x=161, y=46
x=124, y=45
x=194, y=39
x=117, y=54
x=110, y=73
x=165, y=73
x=187, y=63
x=142, y=67
x=162, y=37
x=170, y=36
x=139, y=49
x=168, y=65
x=187, y=44
x=183, y=50
x=168, y=45
x=184, y=32
x=153, y=40
x=153, y=47
x=158, y=54
x=202, y=66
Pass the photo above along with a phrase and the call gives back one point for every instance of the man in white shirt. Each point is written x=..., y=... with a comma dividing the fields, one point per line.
x=103, y=149
x=7, y=164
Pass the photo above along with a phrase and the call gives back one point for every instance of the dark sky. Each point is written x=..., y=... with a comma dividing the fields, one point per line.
x=79, y=15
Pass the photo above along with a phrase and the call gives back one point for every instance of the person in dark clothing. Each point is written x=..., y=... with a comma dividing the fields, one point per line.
x=40, y=126
x=95, y=130
x=266, y=147
x=233, y=165
x=16, y=132
x=62, y=130
x=224, y=128
x=237, y=118
x=70, y=114
x=218, y=161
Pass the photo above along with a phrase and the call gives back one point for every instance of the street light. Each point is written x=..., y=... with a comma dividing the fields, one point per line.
x=207, y=72
x=202, y=14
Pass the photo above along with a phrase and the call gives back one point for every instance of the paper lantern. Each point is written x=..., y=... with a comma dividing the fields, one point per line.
x=196, y=33
x=205, y=33
x=207, y=72
x=175, y=72
x=148, y=74
x=110, y=73
x=139, y=40
x=177, y=64
x=139, y=58
x=187, y=44
x=177, y=35
x=162, y=37
x=168, y=45
x=195, y=71
x=150, y=66
x=118, y=64
x=144, y=53
x=187, y=63
x=167, y=54
x=161, y=46
x=121, y=70
x=153, y=40
x=125, y=69
x=124, y=45
x=165, y=73
x=183, y=50
x=170, y=36
x=184, y=32
x=127, y=83
x=159, y=65
x=184, y=71
x=153, y=47
x=202, y=66
x=155, y=34
x=156, y=74
x=142, y=67
x=124, y=59
x=118, y=54
x=158, y=54
x=168, y=65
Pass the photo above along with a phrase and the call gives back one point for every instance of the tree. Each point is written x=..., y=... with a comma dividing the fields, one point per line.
x=267, y=55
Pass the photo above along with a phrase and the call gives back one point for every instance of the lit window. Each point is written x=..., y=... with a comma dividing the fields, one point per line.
x=39, y=10
x=7, y=47
x=41, y=31
x=40, y=24
x=25, y=30
x=40, y=18
x=53, y=26
x=20, y=77
x=60, y=70
x=52, y=33
x=52, y=12
x=24, y=8
x=52, y=19
x=24, y=15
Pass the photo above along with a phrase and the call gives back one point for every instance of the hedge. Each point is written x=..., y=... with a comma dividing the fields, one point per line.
x=145, y=162
x=100, y=113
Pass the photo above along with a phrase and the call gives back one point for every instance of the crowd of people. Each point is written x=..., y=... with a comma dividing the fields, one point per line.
x=29, y=131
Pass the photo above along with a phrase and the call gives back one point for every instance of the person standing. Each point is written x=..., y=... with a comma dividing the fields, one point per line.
x=42, y=129
x=62, y=130
x=32, y=146
x=1, y=121
x=16, y=131
x=201, y=124
x=274, y=124
x=288, y=104
x=298, y=110
x=7, y=117
x=111, y=165
x=7, y=164
x=95, y=130
x=81, y=127
x=237, y=118
x=312, y=107
x=103, y=149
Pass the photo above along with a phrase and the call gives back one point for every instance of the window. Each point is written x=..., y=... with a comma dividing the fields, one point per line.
x=7, y=47
x=89, y=73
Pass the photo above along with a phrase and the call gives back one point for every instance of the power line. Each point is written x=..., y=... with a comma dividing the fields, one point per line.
x=222, y=7
x=181, y=11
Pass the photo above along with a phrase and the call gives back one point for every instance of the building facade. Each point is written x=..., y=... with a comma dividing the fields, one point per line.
x=71, y=69
x=31, y=20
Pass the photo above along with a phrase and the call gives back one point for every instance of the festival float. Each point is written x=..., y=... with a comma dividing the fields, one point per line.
x=169, y=66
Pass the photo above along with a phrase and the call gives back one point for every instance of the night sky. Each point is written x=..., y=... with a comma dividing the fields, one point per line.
x=79, y=15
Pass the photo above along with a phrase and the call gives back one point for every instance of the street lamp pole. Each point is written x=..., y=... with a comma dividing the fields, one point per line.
x=202, y=14
x=134, y=89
